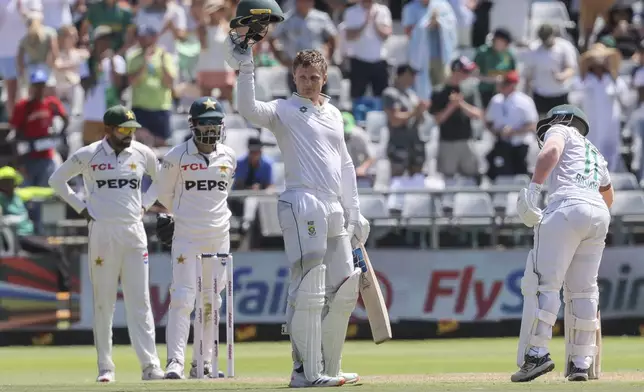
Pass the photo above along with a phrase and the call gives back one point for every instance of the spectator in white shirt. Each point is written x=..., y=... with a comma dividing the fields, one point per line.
x=551, y=66
x=367, y=26
x=58, y=14
x=603, y=100
x=12, y=28
x=512, y=117
x=168, y=14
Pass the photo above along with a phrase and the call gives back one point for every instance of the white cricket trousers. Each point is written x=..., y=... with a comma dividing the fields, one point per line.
x=313, y=228
x=183, y=291
x=120, y=252
x=568, y=247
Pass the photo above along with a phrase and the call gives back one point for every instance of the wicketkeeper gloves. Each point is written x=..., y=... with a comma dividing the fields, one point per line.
x=165, y=228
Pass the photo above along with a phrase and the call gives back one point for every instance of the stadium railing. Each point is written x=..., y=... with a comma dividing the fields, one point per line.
x=473, y=210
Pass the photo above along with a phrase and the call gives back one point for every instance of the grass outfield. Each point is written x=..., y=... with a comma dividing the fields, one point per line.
x=431, y=365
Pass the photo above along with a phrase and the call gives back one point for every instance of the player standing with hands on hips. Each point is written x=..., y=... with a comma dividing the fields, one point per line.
x=569, y=239
x=193, y=184
x=320, y=191
x=112, y=169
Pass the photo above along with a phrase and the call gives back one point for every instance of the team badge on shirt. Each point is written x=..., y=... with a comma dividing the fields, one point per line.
x=223, y=171
x=303, y=109
x=311, y=228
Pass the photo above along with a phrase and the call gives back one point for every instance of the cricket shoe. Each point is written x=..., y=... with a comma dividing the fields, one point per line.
x=173, y=370
x=152, y=372
x=533, y=367
x=577, y=374
x=298, y=380
x=106, y=376
x=207, y=370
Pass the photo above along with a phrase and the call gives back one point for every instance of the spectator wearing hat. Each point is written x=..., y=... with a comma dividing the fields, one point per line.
x=114, y=15
x=103, y=77
x=33, y=119
x=431, y=46
x=512, y=117
x=604, y=99
x=171, y=20
x=367, y=25
x=12, y=24
x=494, y=61
x=359, y=149
x=405, y=112
x=38, y=49
x=15, y=214
x=303, y=28
x=151, y=72
x=551, y=64
x=454, y=111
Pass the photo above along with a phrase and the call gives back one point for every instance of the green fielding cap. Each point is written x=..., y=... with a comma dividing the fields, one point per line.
x=120, y=116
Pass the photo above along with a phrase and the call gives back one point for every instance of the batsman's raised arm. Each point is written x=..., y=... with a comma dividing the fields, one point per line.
x=259, y=113
x=75, y=165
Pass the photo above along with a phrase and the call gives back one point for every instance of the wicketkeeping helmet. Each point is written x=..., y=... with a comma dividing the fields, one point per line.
x=251, y=21
x=568, y=115
x=207, y=121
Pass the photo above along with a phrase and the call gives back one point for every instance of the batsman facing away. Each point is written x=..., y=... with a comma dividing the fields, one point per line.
x=569, y=239
x=319, y=211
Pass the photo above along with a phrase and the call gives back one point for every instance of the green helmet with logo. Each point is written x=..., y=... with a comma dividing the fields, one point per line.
x=568, y=115
x=256, y=15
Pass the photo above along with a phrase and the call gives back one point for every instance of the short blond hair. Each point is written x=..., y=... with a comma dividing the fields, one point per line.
x=308, y=58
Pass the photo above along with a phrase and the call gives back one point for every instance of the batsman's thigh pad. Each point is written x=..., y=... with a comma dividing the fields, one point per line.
x=339, y=262
x=540, y=308
x=302, y=218
x=306, y=322
x=339, y=307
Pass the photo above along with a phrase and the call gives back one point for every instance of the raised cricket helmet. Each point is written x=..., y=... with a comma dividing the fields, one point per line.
x=207, y=121
x=251, y=21
x=568, y=115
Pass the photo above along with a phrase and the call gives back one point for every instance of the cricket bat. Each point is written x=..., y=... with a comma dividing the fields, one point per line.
x=374, y=302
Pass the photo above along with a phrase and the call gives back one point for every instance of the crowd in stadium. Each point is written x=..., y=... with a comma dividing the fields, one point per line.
x=435, y=93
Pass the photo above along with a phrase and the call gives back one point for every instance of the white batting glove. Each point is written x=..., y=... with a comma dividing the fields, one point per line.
x=359, y=231
x=237, y=59
x=528, y=205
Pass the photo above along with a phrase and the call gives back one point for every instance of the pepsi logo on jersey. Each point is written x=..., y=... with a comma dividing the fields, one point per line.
x=118, y=183
x=206, y=185
x=102, y=166
x=194, y=166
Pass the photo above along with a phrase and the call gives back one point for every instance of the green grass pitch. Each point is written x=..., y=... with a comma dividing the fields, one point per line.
x=431, y=365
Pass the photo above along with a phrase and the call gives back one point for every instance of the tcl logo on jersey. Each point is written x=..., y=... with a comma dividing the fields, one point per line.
x=119, y=183
x=206, y=185
x=102, y=166
x=194, y=166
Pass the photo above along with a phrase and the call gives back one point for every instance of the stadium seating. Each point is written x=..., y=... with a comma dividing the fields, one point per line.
x=624, y=181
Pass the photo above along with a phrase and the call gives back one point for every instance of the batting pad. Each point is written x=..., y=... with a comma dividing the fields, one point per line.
x=581, y=333
x=533, y=314
x=334, y=324
x=306, y=324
